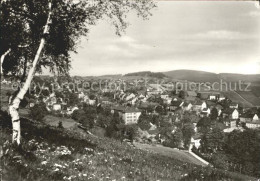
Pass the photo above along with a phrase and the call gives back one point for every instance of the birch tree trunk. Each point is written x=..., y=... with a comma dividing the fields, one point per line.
x=2, y=60
x=14, y=104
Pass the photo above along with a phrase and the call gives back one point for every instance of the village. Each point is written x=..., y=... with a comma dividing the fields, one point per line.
x=155, y=101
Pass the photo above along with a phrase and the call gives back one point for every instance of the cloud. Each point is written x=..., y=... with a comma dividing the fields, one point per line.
x=221, y=34
x=129, y=42
x=254, y=14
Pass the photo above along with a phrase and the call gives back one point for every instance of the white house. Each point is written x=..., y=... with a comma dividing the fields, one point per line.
x=81, y=95
x=70, y=110
x=206, y=110
x=195, y=141
x=168, y=100
x=231, y=113
x=56, y=107
x=212, y=97
x=187, y=106
x=249, y=117
x=91, y=102
x=131, y=96
x=86, y=98
x=130, y=115
x=221, y=97
x=134, y=100
x=164, y=96
x=253, y=125
x=233, y=105
x=199, y=105
x=141, y=96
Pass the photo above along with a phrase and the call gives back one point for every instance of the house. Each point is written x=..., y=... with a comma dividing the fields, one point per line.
x=248, y=117
x=251, y=120
x=175, y=98
x=221, y=97
x=195, y=141
x=187, y=106
x=195, y=127
x=155, y=89
x=176, y=104
x=91, y=102
x=56, y=107
x=141, y=96
x=167, y=100
x=4, y=81
x=230, y=113
x=86, y=98
x=134, y=100
x=233, y=105
x=205, y=111
x=219, y=108
x=253, y=124
x=81, y=95
x=199, y=105
x=164, y=96
x=70, y=110
x=212, y=97
x=105, y=101
x=131, y=96
x=130, y=115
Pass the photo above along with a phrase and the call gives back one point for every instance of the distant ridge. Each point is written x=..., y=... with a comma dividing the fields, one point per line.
x=193, y=75
x=203, y=76
x=190, y=75
x=148, y=74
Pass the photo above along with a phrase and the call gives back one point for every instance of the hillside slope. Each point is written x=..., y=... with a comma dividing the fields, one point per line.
x=202, y=76
x=193, y=75
x=50, y=153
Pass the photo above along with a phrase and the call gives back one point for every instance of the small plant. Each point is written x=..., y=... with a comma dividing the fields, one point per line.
x=60, y=125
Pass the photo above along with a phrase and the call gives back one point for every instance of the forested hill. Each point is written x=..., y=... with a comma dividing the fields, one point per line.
x=147, y=73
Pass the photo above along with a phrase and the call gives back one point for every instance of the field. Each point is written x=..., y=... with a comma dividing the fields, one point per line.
x=170, y=152
x=250, y=97
x=256, y=90
x=235, y=97
x=54, y=121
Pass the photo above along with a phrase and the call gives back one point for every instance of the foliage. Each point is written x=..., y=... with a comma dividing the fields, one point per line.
x=220, y=160
x=58, y=154
x=244, y=148
x=182, y=94
x=188, y=132
x=213, y=140
x=60, y=125
x=204, y=125
x=214, y=114
x=38, y=111
x=144, y=121
x=24, y=20
x=173, y=140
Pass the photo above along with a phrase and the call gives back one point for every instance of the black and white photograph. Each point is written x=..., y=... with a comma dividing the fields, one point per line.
x=129, y=90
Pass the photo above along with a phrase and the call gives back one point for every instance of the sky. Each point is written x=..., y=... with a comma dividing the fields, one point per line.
x=220, y=37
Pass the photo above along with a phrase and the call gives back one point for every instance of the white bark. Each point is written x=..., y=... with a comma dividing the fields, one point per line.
x=2, y=59
x=14, y=105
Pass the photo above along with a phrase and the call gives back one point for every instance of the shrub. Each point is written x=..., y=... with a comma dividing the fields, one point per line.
x=60, y=125
x=38, y=112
